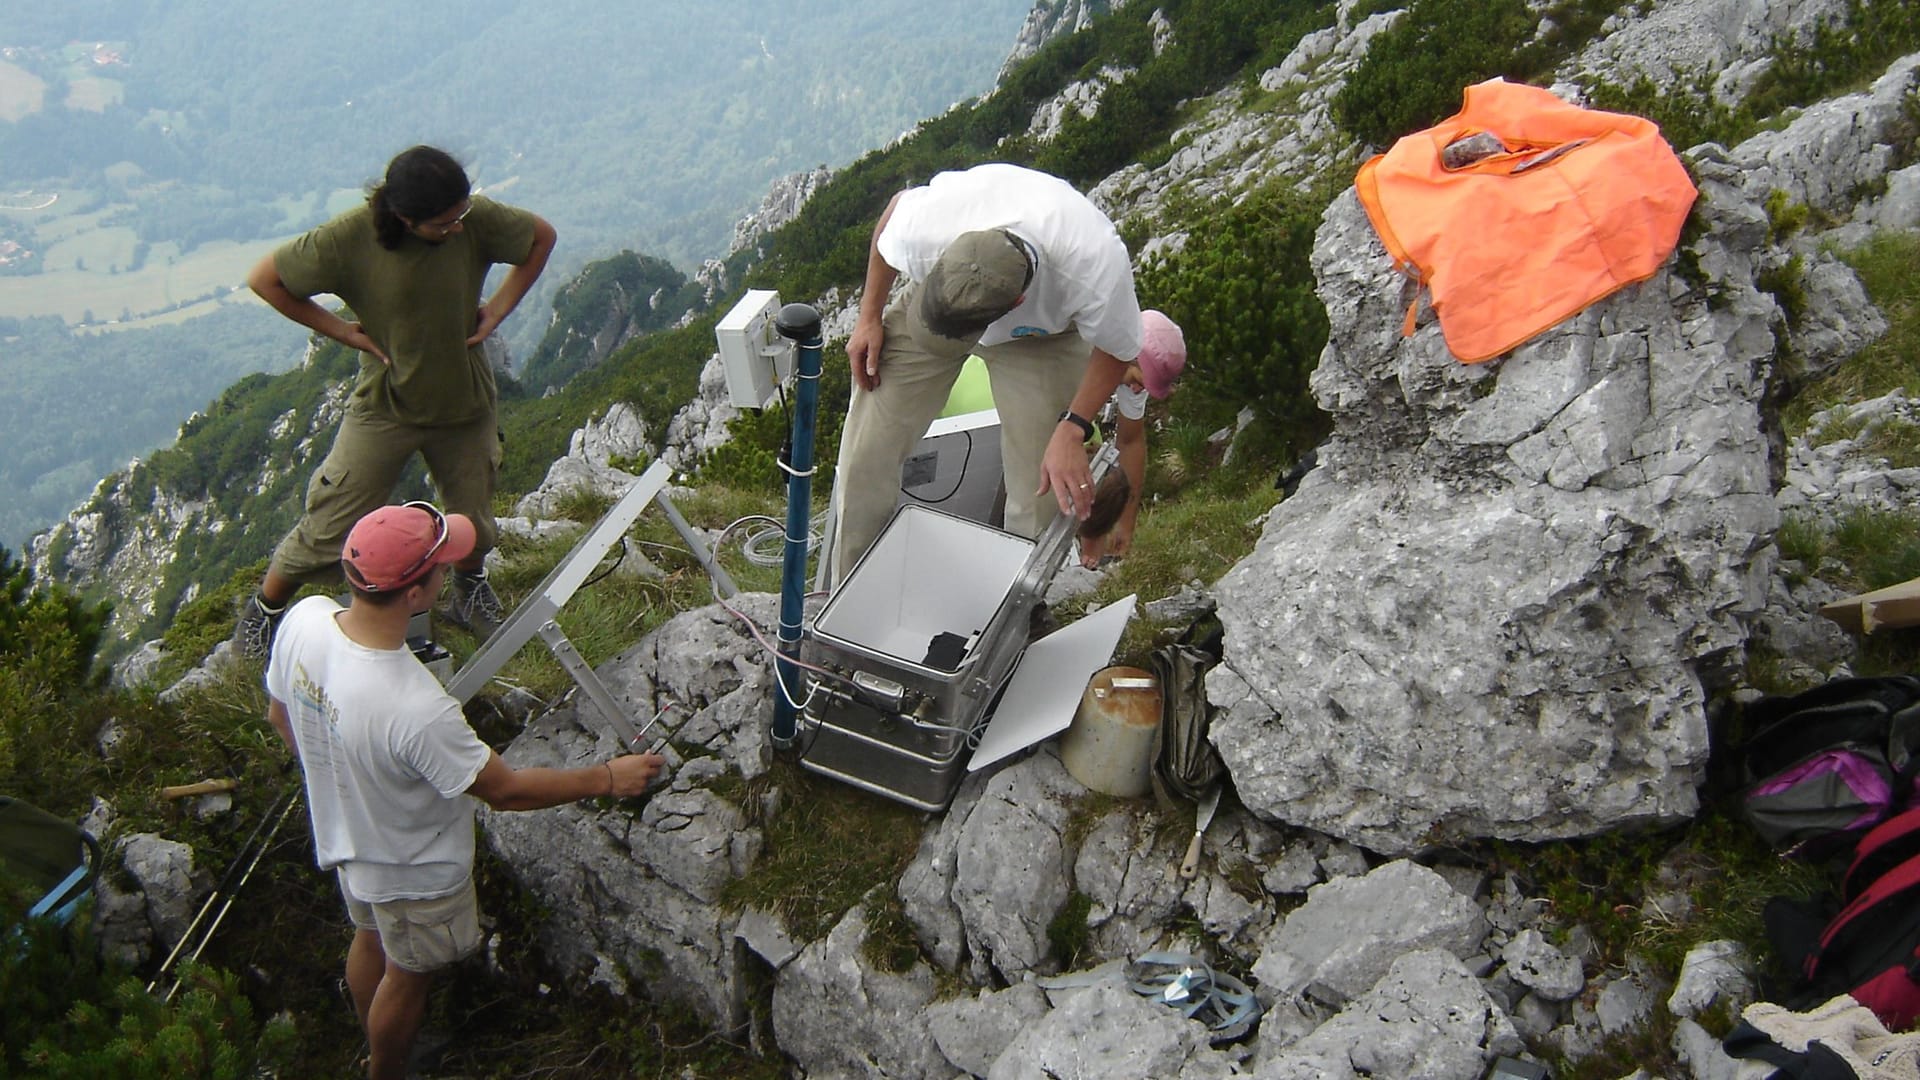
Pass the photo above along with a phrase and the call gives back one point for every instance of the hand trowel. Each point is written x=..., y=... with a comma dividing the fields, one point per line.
x=1208, y=804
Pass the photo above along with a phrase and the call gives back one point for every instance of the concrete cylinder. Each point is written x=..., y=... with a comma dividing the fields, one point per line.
x=1109, y=747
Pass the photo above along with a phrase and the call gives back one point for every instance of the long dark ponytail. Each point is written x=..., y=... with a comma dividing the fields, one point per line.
x=422, y=183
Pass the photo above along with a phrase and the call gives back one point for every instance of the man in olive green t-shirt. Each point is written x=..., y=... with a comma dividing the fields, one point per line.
x=409, y=265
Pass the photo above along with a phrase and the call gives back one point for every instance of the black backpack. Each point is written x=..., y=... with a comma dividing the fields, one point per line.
x=1823, y=766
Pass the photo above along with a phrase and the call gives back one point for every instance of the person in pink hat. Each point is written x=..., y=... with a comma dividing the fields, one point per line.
x=1108, y=530
x=392, y=769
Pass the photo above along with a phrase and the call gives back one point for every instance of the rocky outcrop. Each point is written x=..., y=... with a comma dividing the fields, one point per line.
x=1488, y=610
x=701, y=425
x=603, y=457
x=1726, y=44
x=1082, y=98
x=783, y=202
x=1495, y=606
x=1050, y=19
x=123, y=540
x=638, y=895
x=1228, y=150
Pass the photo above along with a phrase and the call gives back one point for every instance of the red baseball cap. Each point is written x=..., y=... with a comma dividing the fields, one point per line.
x=395, y=546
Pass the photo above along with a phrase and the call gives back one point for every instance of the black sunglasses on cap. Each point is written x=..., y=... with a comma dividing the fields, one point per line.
x=419, y=568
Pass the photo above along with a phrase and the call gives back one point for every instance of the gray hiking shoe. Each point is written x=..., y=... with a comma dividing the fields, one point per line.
x=474, y=605
x=253, y=634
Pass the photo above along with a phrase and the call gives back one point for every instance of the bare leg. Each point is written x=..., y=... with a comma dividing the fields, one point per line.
x=278, y=589
x=366, y=962
x=398, y=1005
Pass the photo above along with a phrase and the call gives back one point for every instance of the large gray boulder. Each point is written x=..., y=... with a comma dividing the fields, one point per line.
x=1479, y=614
x=1495, y=607
x=1343, y=939
x=641, y=892
x=1427, y=1017
x=839, y=1016
x=993, y=872
x=1105, y=1032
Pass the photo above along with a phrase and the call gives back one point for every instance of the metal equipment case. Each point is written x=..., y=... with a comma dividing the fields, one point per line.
x=923, y=634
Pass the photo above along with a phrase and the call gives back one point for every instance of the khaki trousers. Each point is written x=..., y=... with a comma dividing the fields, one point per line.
x=360, y=471
x=1033, y=379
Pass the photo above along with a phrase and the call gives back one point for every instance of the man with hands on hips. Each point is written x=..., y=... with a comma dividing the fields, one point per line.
x=1014, y=265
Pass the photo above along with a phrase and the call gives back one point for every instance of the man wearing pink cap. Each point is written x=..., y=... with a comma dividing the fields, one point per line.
x=1163, y=356
x=389, y=763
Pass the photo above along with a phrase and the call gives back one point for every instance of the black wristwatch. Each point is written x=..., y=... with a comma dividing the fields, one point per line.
x=1085, y=425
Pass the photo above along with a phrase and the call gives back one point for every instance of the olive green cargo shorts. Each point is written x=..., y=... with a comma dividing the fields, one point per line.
x=361, y=470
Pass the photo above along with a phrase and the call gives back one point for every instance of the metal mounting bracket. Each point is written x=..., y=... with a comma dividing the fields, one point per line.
x=535, y=615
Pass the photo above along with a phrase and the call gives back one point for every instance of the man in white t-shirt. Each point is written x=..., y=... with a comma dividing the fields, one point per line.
x=1014, y=265
x=1163, y=356
x=390, y=763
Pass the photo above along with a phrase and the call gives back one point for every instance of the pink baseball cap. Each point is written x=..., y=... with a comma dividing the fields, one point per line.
x=1163, y=353
x=395, y=546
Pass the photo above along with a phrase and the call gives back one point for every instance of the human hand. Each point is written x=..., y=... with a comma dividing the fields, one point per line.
x=1064, y=472
x=1092, y=550
x=632, y=773
x=863, y=353
x=357, y=337
x=1110, y=545
x=485, y=321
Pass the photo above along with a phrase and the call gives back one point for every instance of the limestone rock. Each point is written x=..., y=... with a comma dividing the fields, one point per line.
x=601, y=459
x=1489, y=610
x=1714, y=973
x=1535, y=964
x=1102, y=1033
x=973, y=1032
x=1350, y=930
x=838, y=1016
x=1427, y=1017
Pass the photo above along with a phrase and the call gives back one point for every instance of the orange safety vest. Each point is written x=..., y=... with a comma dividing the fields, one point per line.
x=1512, y=243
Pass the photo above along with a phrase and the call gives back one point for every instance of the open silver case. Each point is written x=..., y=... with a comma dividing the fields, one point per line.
x=923, y=639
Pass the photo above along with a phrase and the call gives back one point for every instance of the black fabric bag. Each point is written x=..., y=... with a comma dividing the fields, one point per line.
x=1823, y=766
x=1184, y=761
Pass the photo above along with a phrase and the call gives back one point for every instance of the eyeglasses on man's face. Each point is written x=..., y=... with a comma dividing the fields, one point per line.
x=445, y=224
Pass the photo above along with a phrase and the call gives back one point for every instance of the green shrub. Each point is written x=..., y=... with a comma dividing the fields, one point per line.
x=1243, y=294
x=48, y=637
x=748, y=460
x=1784, y=216
x=66, y=1016
x=1414, y=72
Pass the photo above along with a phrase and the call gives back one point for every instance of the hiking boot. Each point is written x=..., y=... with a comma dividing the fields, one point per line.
x=253, y=634
x=474, y=605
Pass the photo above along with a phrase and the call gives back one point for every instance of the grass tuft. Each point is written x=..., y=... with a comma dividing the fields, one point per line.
x=827, y=847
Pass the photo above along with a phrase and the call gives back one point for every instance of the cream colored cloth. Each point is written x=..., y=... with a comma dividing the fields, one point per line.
x=1844, y=1026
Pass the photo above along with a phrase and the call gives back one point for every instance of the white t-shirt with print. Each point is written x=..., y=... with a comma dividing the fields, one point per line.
x=387, y=754
x=1083, y=280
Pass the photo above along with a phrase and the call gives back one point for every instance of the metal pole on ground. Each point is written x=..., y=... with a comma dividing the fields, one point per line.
x=798, y=323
